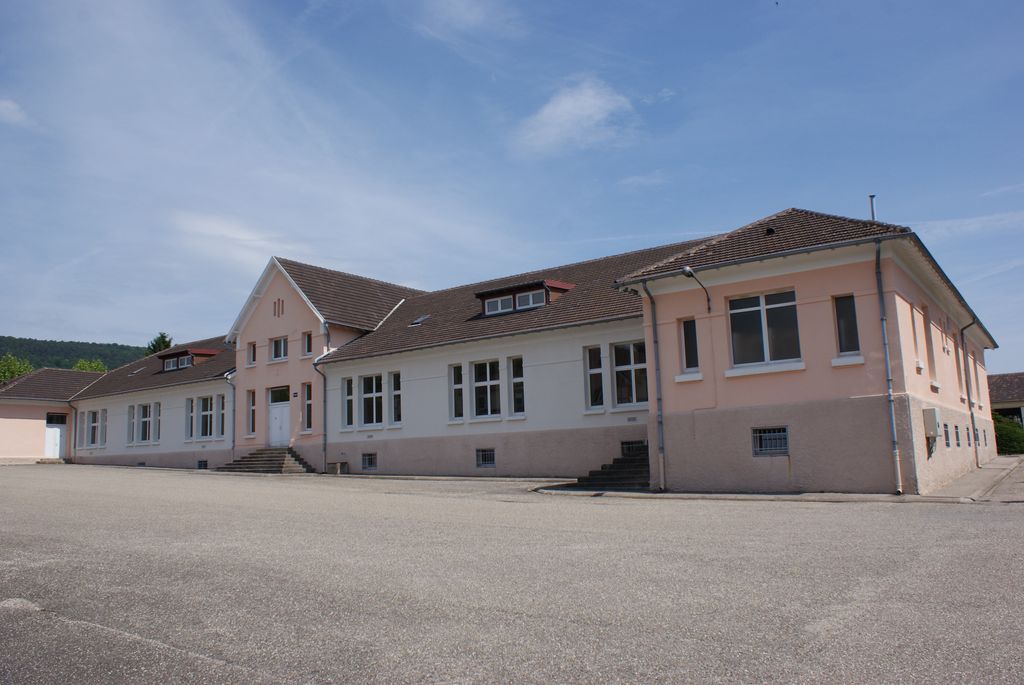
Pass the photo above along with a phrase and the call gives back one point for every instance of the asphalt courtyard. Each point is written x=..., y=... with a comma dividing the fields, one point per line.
x=111, y=575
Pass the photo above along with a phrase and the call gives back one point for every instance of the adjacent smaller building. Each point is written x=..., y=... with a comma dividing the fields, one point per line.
x=35, y=414
x=1006, y=395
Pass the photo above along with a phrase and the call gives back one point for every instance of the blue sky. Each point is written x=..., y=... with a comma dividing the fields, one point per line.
x=154, y=155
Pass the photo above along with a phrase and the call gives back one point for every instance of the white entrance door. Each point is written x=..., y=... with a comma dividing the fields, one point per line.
x=279, y=422
x=55, y=438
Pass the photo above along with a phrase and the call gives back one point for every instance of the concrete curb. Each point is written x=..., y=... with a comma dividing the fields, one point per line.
x=984, y=492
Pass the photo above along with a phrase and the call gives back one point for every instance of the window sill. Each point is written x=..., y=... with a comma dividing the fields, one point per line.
x=918, y=366
x=485, y=419
x=594, y=411
x=516, y=417
x=277, y=361
x=628, y=408
x=456, y=422
x=757, y=369
x=770, y=456
x=689, y=377
x=250, y=365
x=247, y=436
x=306, y=355
x=371, y=427
x=307, y=432
x=935, y=386
x=141, y=444
x=347, y=430
x=394, y=426
x=848, y=360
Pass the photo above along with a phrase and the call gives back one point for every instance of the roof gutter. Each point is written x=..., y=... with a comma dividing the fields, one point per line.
x=657, y=388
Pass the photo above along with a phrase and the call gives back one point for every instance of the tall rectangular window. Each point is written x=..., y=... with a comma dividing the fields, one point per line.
x=688, y=340
x=486, y=389
x=629, y=364
x=103, y=427
x=348, y=418
x=156, y=422
x=595, y=376
x=945, y=431
x=251, y=406
x=764, y=328
x=307, y=344
x=190, y=411
x=846, y=325
x=307, y=406
x=373, y=400
x=206, y=416
x=145, y=422
x=395, y=390
x=517, y=387
x=279, y=348
x=250, y=354
x=131, y=423
x=221, y=404
x=956, y=432
x=93, y=428
x=456, y=392
x=81, y=429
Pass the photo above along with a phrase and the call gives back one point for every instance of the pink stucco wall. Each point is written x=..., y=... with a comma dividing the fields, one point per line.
x=266, y=322
x=23, y=428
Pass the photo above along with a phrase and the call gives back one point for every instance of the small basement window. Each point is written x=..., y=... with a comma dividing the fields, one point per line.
x=771, y=442
x=485, y=458
x=370, y=461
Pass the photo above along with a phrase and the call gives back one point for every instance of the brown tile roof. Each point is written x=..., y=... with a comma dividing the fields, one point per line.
x=346, y=299
x=148, y=373
x=455, y=314
x=48, y=384
x=1006, y=387
x=789, y=230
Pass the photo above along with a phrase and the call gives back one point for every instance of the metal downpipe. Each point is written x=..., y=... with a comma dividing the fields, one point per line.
x=967, y=384
x=657, y=388
x=888, y=369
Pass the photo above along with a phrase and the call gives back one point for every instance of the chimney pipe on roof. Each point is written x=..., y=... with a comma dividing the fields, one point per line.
x=871, y=203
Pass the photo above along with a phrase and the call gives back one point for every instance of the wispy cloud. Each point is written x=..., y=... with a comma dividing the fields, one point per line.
x=449, y=20
x=989, y=223
x=584, y=114
x=1004, y=190
x=12, y=113
x=663, y=95
x=651, y=180
x=230, y=240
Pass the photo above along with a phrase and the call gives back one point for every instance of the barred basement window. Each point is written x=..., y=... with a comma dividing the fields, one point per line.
x=770, y=442
x=485, y=458
x=202, y=464
x=369, y=462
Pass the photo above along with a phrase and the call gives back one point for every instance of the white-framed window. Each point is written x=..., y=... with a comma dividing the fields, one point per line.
x=348, y=416
x=369, y=461
x=517, y=387
x=372, y=395
x=307, y=406
x=846, y=324
x=485, y=458
x=190, y=413
x=764, y=328
x=221, y=406
x=170, y=364
x=103, y=427
x=456, y=392
x=595, y=376
x=307, y=344
x=279, y=348
x=250, y=354
x=131, y=424
x=156, y=422
x=770, y=442
x=629, y=366
x=688, y=358
x=145, y=414
x=534, y=298
x=206, y=419
x=250, y=401
x=185, y=361
x=486, y=388
x=395, y=390
x=95, y=429
x=498, y=305
x=81, y=429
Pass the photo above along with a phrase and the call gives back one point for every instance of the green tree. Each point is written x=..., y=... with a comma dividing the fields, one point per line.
x=160, y=343
x=90, y=365
x=1009, y=435
x=11, y=367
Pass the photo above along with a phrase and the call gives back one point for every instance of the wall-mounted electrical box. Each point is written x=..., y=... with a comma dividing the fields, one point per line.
x=932, y=422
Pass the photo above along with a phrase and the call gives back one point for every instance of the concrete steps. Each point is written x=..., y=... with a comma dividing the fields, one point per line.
x=269, y=460
x=631, y=471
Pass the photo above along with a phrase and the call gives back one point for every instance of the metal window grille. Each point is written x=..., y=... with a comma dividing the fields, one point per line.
x=369, y=461
x=485, y=458
x=771, y=441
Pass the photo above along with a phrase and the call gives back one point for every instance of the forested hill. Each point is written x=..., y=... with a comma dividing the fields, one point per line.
x=63, y=354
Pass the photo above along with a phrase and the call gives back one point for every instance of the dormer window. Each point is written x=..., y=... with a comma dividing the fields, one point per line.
x=498, y=305
x=170, y=364
x=185, y=361
x=534, y=298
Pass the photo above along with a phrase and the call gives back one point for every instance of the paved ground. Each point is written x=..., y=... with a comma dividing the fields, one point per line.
x=142, y=576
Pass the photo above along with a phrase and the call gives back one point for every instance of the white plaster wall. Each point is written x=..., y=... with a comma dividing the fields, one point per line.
x=173, y=440
x=554, y=385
